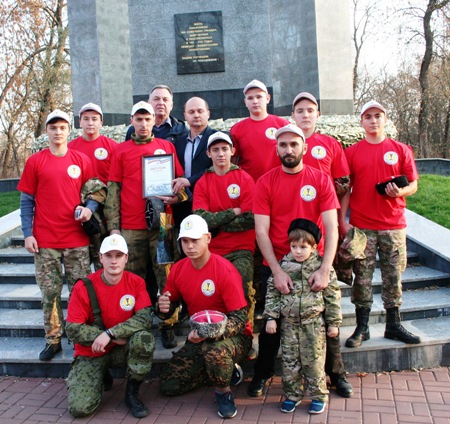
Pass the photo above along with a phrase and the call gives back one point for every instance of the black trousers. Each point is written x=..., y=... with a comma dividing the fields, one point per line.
x=269, y=344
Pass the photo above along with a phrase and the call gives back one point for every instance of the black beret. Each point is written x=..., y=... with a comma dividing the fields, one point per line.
x=306, y=225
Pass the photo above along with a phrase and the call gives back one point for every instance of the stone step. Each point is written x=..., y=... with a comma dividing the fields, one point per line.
x=19, y=356
x=418, y=304
x=16, y=255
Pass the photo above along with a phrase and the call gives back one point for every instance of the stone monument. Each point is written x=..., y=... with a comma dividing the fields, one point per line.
x=120, y=49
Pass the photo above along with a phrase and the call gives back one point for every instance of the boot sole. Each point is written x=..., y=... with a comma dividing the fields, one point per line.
x=391, y=337
x=357, y=343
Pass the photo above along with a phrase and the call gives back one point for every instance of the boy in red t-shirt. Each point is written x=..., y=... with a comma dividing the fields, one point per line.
x=205, y=281
x=51, y=185
x=224, y=198
x=377, y=159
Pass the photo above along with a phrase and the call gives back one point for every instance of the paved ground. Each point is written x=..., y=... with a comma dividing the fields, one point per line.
x=383, y=398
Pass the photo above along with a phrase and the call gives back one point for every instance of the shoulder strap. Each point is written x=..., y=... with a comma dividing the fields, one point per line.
x=98, y=321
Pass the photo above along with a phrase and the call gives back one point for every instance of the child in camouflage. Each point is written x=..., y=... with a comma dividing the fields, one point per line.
x=304, y=315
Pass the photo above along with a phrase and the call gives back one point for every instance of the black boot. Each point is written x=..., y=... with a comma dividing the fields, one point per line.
x=394, y=329
x=137, y=408
x=361, y=332
x=168, y=338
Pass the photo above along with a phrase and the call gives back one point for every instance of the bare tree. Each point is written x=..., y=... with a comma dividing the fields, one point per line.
x=34, y=75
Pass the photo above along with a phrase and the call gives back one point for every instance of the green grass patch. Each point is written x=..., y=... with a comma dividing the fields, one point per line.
x=9, y=202
x=432, y=199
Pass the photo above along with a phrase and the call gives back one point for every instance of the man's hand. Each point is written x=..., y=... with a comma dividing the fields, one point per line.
x=271, y=326
x=344, y=228
x=332, y=332
x=283, y=283
x=169, y=200
x=100, y=343
x=31, y=245
x=84, y=214
x=193, y=337
x=179, y=183
x=319, y=279
x=164, y=302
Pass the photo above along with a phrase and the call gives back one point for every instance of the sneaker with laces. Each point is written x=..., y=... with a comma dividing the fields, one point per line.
x=289, y=405
x=238, y=375
x=317, y=407
x=226, y=408
x=50, y=351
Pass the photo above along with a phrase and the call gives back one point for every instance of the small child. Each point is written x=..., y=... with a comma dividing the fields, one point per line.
x=304, y=316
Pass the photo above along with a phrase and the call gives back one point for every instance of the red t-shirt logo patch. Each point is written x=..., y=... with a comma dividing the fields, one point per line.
x=234, y=191
x=391, y=158
x=318, y=152
x=160, y=152
x=101, y=153
x=208, y=288
x=127, y=302
x=74, y=171
x=308, y=193
x=270, y=133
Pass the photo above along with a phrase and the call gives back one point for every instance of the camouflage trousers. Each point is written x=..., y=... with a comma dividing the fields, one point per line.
x=303, y=349
x=208, y=363
x=243, y=262
x=142, y=248
x=391, y=247
x=85, y=380
x=50, y=278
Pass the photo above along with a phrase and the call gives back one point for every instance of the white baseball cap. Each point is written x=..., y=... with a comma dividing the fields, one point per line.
x=193, y=226
x=90, y=106
x=58, y=114
x=370, y=104
x=304, y=95
x=290, y=128
x=114, y=242
x=144, y=106
x=256, y=84
x=219, y=136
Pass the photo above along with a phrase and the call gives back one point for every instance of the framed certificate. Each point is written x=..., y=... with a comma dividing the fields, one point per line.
x=157, y=175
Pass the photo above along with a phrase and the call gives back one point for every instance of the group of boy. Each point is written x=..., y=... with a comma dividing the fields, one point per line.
x=223, y=208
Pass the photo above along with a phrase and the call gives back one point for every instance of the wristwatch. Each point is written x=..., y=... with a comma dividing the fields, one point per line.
x=110, y=334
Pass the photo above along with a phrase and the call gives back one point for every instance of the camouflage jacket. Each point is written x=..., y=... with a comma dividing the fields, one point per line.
x=94, y=189
x=302, y=301
x=85, y=334
x=227, y=220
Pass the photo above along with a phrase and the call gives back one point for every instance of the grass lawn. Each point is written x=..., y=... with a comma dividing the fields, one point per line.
x=432, y=200
x=9, y=202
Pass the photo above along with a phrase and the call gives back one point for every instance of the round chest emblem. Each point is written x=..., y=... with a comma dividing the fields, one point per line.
x=160, y=152
x=234, y=191
x=208, y=288
x=74, y=171
x=308, y=193
x=101, y=153
x=270, y=133
x=391, y=158
x=318, y=152
x=127, y=302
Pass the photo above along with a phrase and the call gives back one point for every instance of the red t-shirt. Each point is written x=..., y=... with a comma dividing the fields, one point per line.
x=99, y=151
x=255, y=144
x=216, y=193
x=126, y=168
x=56, y=182
x=217, y=286
x=117, y=303
x=284, y=197
x=326, y=154
x=371, y=164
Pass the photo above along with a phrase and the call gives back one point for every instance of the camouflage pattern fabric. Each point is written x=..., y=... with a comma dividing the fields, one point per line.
x=342, y=185
x=351, y=248
x=142, y=249
x=85, y=380
x=112, y=206
x=391, y=247
x=303, y=357
x=243, y=262
x=208, y=363
x=50, y=278
x=302, y=301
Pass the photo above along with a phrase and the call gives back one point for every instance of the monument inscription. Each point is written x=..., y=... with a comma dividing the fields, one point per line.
x=199, y=42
